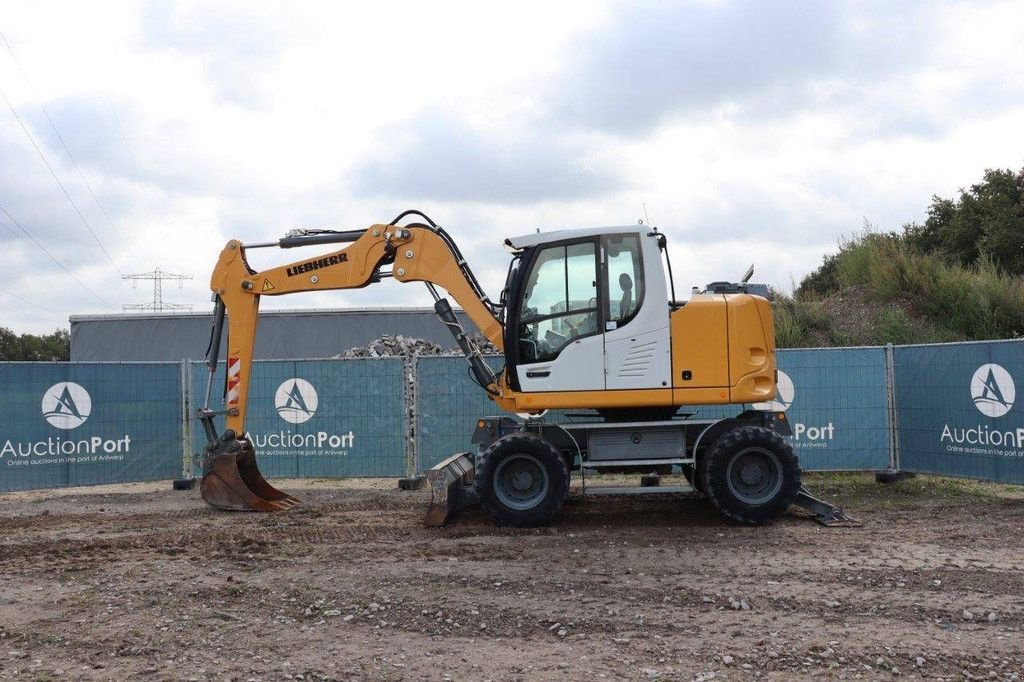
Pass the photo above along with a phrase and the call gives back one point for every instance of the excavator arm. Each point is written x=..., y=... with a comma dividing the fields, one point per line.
x=416, y=252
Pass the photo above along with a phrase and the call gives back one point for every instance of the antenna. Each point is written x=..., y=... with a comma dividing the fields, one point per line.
x=647, y=218
x=158, y=276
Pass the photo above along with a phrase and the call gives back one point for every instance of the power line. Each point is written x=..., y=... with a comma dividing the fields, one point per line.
x=63, y=144
x=59, y=183
x=25, y=300
x=50, y=255
x=127, y=147
x=33, y=316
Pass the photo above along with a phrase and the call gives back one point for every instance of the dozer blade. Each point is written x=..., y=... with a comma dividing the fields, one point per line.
x=233, y=482
x=451, y=488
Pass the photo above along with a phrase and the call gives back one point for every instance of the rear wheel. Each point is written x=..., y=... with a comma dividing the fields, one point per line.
x=751, y=475
x=522, y=480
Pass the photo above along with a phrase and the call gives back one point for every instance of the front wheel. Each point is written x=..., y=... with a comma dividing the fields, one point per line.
x=521, y=480
x=751, y=475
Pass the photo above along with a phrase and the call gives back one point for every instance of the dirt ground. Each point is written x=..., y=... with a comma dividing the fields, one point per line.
x=143, y=582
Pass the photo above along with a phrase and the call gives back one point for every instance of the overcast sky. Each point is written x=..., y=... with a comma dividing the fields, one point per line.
x=753, y=131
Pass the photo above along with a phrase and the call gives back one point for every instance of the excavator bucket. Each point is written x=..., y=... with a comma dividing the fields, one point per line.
x=451, y=488
x=232, y=481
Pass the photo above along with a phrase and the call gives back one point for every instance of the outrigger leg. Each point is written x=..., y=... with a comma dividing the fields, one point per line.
x=824, y=513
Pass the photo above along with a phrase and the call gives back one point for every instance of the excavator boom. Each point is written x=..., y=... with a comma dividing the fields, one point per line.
x=415, y=252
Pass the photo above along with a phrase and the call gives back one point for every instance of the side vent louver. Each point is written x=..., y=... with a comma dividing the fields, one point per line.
x=638, y=360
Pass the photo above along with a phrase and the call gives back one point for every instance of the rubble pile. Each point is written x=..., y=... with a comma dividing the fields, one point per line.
x=398, y=346
x=389, y=346
x=409, y=348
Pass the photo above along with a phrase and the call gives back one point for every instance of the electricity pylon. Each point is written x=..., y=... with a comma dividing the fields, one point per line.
x=158, y=276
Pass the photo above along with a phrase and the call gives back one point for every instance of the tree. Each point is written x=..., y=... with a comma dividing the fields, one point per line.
x=986, y=221
x=30, y=347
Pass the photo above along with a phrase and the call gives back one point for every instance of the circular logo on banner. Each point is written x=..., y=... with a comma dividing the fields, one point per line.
x=783, y=398
x=66, y=405
x=992, y=390
x=296, y=401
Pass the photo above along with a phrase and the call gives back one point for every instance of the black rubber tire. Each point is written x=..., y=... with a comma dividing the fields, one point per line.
x=522, y=443
x=183, y=483
x=757, y=440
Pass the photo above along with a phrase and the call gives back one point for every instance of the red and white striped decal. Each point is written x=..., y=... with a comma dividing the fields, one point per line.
x=234, y=367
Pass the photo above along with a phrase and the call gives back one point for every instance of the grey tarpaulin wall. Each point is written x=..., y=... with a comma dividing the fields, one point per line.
x=169, y=337
x=945, y=409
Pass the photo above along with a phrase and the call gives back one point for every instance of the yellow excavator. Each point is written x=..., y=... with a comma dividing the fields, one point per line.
x=585, y=322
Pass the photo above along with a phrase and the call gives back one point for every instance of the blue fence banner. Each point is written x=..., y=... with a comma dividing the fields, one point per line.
x=320, y=418
x=89, y=423
x=836, y=401
x=947, y=409
x=448, y=403
x=958, y=412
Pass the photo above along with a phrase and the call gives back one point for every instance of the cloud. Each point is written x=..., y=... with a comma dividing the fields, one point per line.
x=751, y=130
x=236, y=42
x=655, y=61
x=440, y=156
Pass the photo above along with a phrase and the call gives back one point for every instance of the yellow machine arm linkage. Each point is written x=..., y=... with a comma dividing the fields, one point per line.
x=417, y=252
x=419, y=255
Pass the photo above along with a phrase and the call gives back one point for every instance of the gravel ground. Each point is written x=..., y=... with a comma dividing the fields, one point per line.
x=143, y=582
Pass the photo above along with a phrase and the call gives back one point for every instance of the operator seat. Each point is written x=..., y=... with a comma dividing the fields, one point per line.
x=626, y=284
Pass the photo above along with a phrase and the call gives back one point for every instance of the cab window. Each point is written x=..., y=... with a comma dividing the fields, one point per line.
x=625, y=284
x=560, y=301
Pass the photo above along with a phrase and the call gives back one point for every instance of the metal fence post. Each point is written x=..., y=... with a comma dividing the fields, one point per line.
x=186, y=419
x=890, y=396
x=411, y=411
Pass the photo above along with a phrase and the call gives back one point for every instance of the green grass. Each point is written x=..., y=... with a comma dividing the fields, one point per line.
x=910, y=297
x=858, y=489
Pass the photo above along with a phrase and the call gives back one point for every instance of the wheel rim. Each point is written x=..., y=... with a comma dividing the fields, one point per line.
x=754, y=475
x=521, y=482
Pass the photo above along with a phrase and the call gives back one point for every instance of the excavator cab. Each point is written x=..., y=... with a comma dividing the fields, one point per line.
x=587, y=310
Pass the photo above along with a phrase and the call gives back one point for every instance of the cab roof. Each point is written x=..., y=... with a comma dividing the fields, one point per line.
x=527, y=240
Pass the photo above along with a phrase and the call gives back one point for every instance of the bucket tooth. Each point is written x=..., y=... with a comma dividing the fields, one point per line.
x=233, y=481
x=451, y=488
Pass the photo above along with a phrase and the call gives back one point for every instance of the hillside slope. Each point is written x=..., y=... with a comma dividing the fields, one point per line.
x=959, y=276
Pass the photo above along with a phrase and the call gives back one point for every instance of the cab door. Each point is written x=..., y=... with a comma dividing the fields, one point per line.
x=559, y=331
x=638, y=345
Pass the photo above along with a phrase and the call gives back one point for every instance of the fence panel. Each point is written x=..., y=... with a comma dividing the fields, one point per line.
x=321, y=418
x=836, y=400
x=956, y=411
x=75, y=424
x=448, y=403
